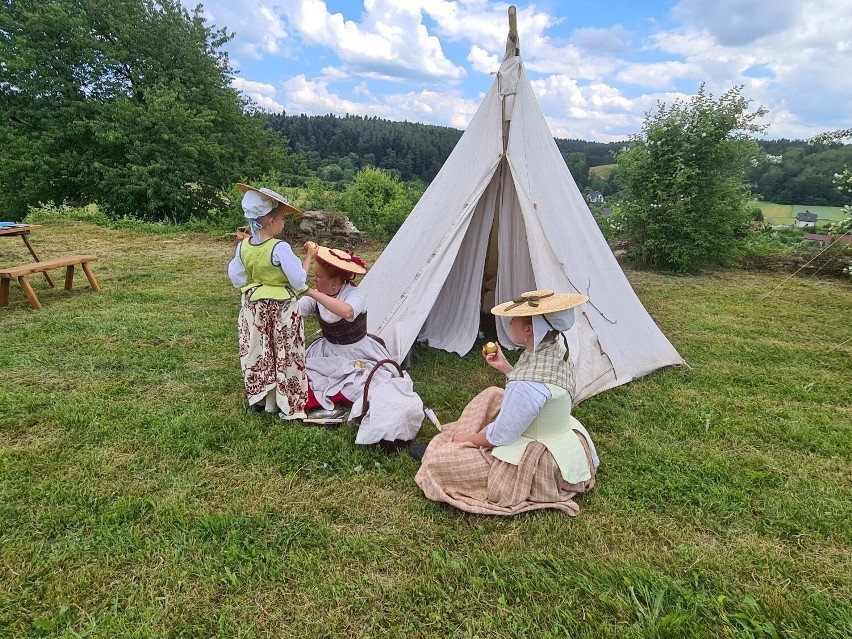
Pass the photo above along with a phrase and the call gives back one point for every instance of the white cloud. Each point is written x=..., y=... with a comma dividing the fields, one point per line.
x=433, y=107
x=363, y=89
x=591, y=112
x=259, y=28
x=741, y=22
x=657, y=75
x=313, y=97
x=391, y=41
x=335, y=73
x=612, y=40
x=261, y=93
x=481, y=61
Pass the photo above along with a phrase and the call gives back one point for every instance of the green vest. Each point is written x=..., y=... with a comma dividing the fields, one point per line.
x=554, y=427
x=266, y=281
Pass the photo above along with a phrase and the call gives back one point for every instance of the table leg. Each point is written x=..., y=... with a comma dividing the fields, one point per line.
x=4, y=291
x=26, y=237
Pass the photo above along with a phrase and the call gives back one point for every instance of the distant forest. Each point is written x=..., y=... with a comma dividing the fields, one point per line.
x=334, y=149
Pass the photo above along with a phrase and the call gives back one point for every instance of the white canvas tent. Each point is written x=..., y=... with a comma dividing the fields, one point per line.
x=505, y=201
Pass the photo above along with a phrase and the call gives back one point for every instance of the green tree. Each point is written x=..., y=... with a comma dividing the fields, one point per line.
x=578, y=165
x=842, y=181
x=684, y=199
x=378, y=203
x=122, y=102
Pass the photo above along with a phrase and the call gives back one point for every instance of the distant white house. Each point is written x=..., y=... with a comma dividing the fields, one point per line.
x=806, y=219
x=595, y=196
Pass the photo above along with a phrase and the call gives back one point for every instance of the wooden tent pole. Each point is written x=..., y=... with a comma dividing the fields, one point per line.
x=513, y=31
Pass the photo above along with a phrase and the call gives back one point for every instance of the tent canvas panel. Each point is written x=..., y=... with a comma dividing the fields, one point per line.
x=406, y=280
x=428, y=281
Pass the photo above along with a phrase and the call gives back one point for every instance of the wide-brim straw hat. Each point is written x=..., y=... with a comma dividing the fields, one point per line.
x=539, y=303
x=283, y=203
x=341, y=259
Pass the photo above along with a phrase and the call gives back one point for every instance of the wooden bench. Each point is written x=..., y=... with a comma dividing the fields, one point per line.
x=21, y=272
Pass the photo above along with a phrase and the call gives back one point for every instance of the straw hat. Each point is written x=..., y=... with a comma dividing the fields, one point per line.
x=539, y=303
x=284, y=203
x=344, y=260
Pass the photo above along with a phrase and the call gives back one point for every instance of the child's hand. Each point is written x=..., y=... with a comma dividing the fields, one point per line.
x=311, y=249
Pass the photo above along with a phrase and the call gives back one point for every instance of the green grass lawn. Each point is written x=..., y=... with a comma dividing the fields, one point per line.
x=603, y=171
x=140, y=498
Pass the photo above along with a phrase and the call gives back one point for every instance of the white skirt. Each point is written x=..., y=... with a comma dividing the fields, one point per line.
x=336, y=368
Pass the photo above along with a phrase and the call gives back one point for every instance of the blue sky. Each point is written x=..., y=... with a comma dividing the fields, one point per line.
x=596, y=67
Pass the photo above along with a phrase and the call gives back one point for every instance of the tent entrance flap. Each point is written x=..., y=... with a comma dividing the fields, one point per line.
x=453, y=320
x=488, y=295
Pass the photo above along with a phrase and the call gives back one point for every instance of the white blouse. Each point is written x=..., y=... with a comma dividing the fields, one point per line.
x=348, y=293
x=522, y=402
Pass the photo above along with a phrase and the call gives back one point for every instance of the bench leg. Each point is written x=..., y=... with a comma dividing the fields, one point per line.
x=69, y=277
x=4, y=291
x=91, y=277
x=29, y=292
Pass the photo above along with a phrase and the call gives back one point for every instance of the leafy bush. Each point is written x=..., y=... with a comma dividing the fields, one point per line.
x=94, y=214
x=49, y=212
x=378, y=203
x=612, y=227
x=763, y=251
x=783, y=250
x=684, y=200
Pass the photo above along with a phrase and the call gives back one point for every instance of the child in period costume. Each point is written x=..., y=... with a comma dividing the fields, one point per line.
x=270, y=276
x=520, y=449
x=339, y=363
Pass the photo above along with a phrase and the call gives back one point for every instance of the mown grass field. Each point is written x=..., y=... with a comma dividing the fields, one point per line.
x=785, y=214
x=140, y=498
x=603, y=171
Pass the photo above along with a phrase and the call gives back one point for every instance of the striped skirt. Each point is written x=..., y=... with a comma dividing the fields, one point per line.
x=473, y=480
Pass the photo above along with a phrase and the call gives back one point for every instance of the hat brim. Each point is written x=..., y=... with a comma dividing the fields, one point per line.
x=540, y=304
x=286, y=207
x=326, y=256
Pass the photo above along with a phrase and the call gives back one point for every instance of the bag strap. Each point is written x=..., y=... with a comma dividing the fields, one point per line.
x=379, y=364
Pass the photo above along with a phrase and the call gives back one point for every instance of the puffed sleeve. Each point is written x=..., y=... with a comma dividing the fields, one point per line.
x=522, y=402
x=307, y=305
x=237, y=270
x=283, y=256
x=357, y=301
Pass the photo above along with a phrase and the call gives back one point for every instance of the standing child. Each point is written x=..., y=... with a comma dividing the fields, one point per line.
x=272, y=340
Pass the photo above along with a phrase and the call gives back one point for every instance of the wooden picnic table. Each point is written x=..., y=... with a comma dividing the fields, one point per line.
x=23, y=231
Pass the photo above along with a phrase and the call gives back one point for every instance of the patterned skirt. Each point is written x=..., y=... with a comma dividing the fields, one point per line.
x=272, y=353
x=473, y=480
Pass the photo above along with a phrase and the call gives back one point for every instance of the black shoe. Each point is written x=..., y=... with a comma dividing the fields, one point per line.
x=417, y=450
x=259, y=407
x=393, y=446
